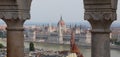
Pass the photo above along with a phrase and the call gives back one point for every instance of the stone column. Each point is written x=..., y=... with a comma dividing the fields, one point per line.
x=14, y=13
x=100, y=37
x=100, y=14
x=15, y=37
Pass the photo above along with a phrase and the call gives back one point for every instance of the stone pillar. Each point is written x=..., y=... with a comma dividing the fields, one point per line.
x=100, y=14
x=100, y=38
x=14, y=13
x=15, y=37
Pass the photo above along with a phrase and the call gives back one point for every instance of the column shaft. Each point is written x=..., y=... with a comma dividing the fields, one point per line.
x=100, y=45
x=100, y=14
x=15, y=43
x=15, y=37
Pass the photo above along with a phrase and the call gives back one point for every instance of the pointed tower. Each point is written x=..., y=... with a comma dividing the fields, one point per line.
x=61, y=29
x=34, y=33
x=49, y=28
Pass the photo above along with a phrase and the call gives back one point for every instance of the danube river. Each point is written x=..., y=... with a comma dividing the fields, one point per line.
x=86, y=51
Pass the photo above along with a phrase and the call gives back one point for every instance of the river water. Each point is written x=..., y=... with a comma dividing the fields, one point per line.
x=85, y=51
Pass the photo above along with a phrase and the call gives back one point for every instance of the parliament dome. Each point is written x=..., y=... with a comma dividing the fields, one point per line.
x=61, y=22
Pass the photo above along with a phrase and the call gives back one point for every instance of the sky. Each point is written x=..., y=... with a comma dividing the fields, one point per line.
x=50, y=11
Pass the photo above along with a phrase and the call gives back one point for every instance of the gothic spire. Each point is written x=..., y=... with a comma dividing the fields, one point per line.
x=61, y=18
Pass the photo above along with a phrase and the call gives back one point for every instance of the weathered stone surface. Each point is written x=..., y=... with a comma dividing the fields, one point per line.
x=101, y=4
x=100, y=9
x=15, y=37
x=100, y=44
x=100, y=14
x=15, y=9
x=14, y=13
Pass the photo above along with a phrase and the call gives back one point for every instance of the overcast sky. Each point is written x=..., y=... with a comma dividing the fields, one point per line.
x=49, y=11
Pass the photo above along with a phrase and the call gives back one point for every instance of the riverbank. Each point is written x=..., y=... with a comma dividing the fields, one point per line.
x=87, y=46
x=86, y=51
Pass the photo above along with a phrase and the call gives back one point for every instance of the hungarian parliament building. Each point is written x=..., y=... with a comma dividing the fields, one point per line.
x=59, y=34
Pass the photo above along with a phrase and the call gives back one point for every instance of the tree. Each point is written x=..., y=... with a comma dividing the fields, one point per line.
x=31, y=47
x=113, y=40
x=117, y=43
x=1, y=45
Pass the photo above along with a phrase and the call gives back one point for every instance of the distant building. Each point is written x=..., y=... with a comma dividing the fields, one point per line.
x=53, y=38
x=115, y=34
x=61, y=29
x=28, y=34
x=88, y=37
x=59, y=34
x=3, y=31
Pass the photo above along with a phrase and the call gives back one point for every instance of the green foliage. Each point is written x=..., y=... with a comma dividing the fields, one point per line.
x=1, y=45
x=31, y=47
x=113, y=40
x=117, y=43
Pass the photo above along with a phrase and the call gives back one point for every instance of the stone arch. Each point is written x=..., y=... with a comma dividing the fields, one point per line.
x=100, y=15
x=14, y=13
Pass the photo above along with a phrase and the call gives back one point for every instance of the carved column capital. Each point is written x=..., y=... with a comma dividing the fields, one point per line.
x=101, y=26
x=15, y=9
x=100, y=9
x=15, y=35
x=100, y=14
x=14, y=24
x=100, y=21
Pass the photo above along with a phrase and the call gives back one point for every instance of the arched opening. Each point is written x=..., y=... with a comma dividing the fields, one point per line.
x=3, y=39
x=60, y=15
x=47, y=10
x=50, y=11
x=3, y=32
